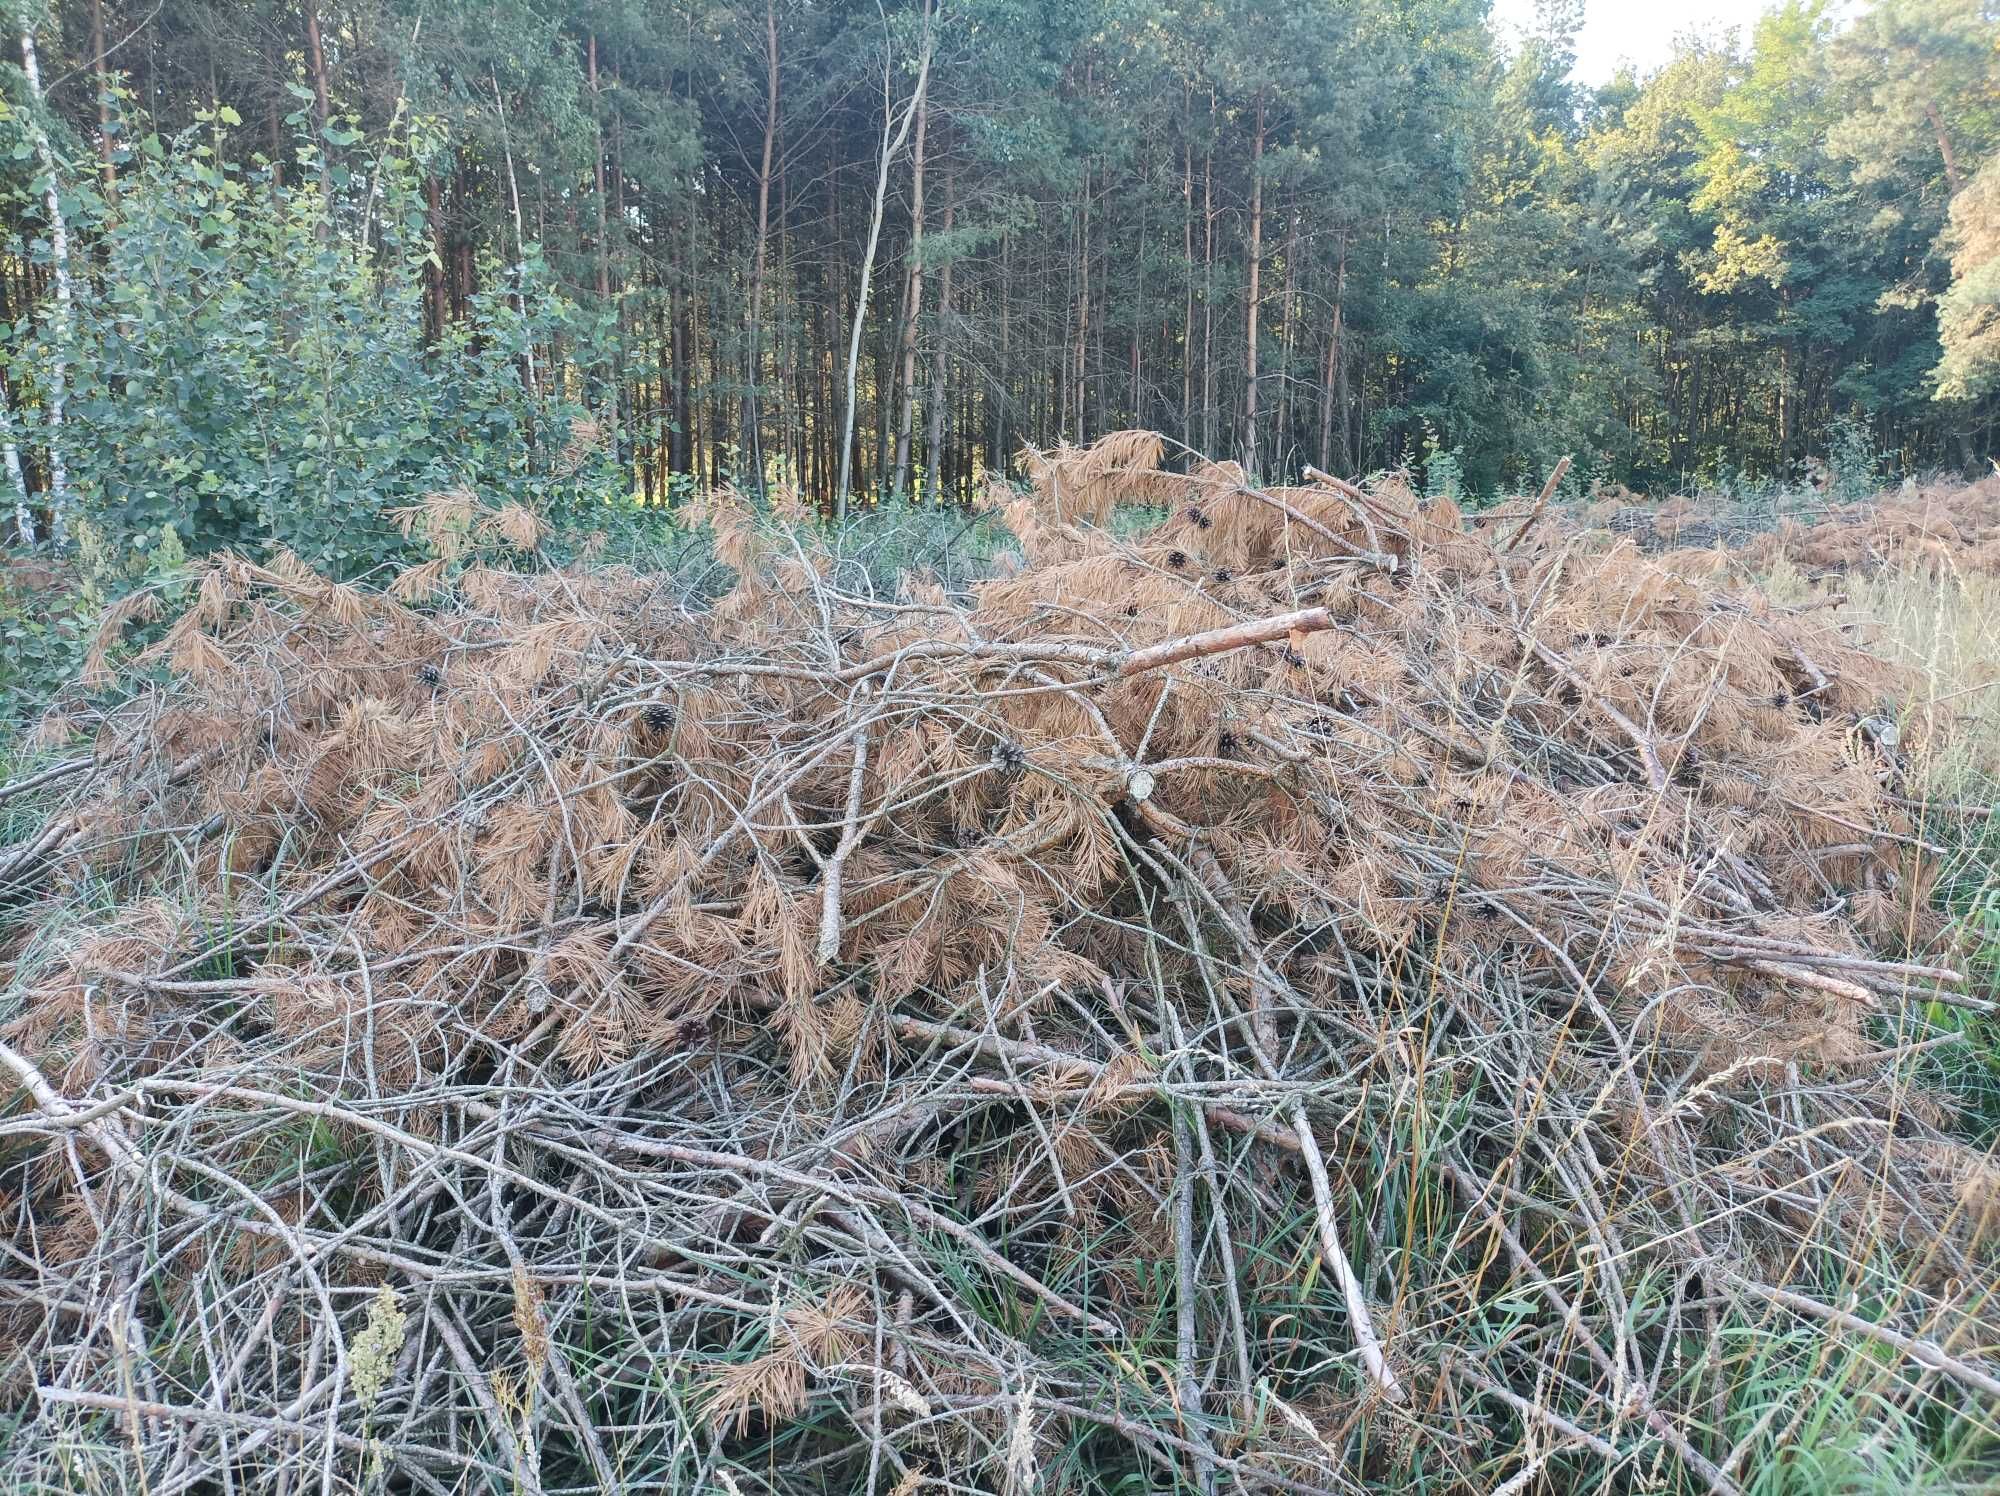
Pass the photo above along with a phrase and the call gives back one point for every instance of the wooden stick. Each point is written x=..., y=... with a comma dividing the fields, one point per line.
x=1359, y=1319
x=1925, y=1352
x=836, y=862
x=1534, y=514
x=1119, y=661
x=1222, y=640
x=1649, y=754
x=47, y=776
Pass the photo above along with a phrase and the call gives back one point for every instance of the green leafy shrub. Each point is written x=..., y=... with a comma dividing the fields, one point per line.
x=42, y=633
x=246, y=368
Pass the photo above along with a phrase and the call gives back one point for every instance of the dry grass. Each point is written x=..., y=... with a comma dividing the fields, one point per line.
x=1945, y=627
x=1947, y=530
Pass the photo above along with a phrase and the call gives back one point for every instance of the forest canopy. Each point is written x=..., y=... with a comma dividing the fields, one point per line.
x=276, y=268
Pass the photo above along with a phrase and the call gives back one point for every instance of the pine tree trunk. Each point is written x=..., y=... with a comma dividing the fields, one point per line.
x=667, y=451
x=752, y=419
x=434, y=272
x=626, y=399
x=1082, y=307
x=274, y=131
x=102, y=75
x=322, y=110
x=1000, y=457
x=932, y=492
x=597, y=170
x=1256, y=265
x=1954, y=182
x=1208, y=293
x=1187, y=262
x=913, y=306
x=1333, y=396
x=1281, y=454
x=1098, y=385
x=683, y=431
x=887, y=331
x=1138, y=320
x=789, y=356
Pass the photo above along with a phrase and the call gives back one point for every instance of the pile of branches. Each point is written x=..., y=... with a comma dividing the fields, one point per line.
x=1316, y=991
x=1950, y=530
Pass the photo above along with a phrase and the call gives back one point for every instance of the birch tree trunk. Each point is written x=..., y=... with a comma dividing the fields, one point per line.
x=520, y=230
x=58, y=392
x=24, y=512
x=893, y=137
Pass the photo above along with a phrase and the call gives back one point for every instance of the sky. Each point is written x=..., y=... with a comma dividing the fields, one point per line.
x=1639, y=31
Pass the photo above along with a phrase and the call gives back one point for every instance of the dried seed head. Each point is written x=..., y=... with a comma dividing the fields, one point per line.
x=1176, y=559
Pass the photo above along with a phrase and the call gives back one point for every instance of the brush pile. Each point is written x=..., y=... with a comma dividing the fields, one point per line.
x=1937, y=530
x=1318, y=992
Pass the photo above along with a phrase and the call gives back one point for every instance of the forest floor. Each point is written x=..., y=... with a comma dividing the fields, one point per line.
x=1298, y=988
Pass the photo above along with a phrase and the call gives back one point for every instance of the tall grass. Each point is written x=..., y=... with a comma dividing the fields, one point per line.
x=1947, y=628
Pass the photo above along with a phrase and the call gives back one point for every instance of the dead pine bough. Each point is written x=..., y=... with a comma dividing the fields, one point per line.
x=1942, y=530
x=1318, y=993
